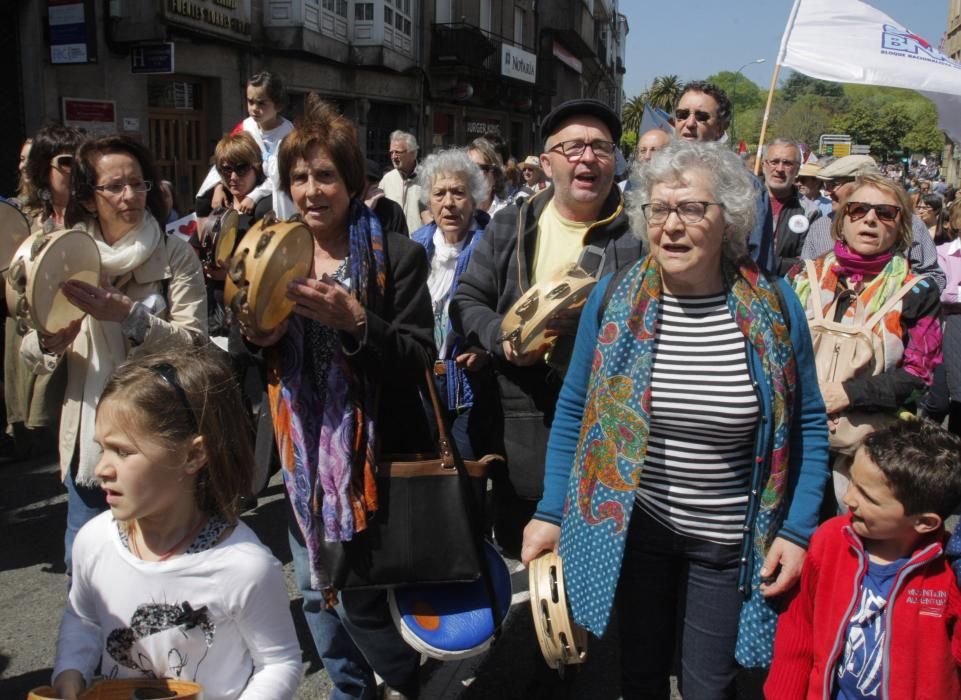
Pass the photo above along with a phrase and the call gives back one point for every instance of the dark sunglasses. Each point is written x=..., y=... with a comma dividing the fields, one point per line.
x=684, y=114
x=885, y=212
x=240, y=169
x=62, y=162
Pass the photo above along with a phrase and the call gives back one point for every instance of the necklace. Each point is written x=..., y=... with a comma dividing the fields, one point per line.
x=187, y=538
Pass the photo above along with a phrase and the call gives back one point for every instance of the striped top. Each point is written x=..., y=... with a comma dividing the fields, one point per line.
x=704, y=414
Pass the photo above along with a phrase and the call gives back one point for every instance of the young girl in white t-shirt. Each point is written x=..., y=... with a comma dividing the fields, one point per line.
x=170, y=583
x=266, y=97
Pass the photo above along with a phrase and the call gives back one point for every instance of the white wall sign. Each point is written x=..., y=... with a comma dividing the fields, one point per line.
x=518, y=63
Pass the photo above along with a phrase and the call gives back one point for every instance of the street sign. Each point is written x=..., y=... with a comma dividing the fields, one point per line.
x=861, y=149
x=152, y=59
x=842, y=149
x=826, y=142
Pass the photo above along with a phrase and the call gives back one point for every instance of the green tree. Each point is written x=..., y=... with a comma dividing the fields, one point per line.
x=802, y=121
x=745, y=96
x=924, y=136
x=798, y=84
x=882, y=129
x=633, y=112
x=664, y=92
x=628, y=142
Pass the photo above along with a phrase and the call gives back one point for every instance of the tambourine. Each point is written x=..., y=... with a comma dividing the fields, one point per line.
x=41, y=264
x=525, y=324
x=270, y=255
x=562, y=641
x=14, y=230
x=131, y=689
x=218, y=237
x=453, y=620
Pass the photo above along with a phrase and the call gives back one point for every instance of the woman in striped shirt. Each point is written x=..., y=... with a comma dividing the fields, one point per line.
x=693, y=422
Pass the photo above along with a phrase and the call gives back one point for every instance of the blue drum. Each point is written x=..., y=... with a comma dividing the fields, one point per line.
x=453, y=620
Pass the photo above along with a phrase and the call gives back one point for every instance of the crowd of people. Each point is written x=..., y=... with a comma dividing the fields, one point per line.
x=735, y=444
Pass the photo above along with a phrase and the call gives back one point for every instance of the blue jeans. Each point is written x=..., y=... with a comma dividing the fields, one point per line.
x=677, y=592
x=356, y=638
x=84, y=503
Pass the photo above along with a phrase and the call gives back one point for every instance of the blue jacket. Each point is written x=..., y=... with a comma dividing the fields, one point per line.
x=808, y=441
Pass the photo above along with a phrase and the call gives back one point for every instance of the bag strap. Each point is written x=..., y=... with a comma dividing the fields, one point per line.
x=444, y=444
x=895, y=298
x=450, y=460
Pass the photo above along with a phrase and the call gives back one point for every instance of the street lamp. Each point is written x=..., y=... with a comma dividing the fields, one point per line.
x=734, y=96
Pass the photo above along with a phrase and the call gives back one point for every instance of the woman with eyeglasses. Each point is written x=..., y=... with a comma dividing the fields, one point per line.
x=151, y=297
x=929, y=208
x=872, y=234
x=33, y=402
x=689, y=441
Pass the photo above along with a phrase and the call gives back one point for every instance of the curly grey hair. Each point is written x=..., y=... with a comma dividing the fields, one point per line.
x=730, y=182
x=455, y=162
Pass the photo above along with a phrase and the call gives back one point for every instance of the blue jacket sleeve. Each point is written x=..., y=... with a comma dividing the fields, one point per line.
x=566, y=428
x=808, y=459
x=760, y=242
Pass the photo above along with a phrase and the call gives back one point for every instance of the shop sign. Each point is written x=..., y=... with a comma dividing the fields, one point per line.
x=479, y=127
x=518, y=63
x=152, y=58
x=68, y=32
x=567, y=58
x=94, y=116
x=230, y=18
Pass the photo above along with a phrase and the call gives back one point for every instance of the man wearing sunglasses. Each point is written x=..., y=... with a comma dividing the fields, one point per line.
x=580, y=218
x=838, y=178
x=703, y=113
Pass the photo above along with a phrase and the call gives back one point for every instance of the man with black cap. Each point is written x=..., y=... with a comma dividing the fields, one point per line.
x=579, y=218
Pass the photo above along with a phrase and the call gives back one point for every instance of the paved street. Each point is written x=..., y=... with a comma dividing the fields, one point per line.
x=32, y=590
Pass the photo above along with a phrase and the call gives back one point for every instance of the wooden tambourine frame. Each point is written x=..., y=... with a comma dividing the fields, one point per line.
x=525, y=324
x=270, y=255
x=218, y=237
x=562, y=642
x=41, y=264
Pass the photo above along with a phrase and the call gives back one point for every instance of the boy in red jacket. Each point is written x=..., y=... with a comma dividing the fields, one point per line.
x=877, y=610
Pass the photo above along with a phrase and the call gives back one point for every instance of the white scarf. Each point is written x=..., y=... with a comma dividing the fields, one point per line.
x=442, y=266
x=106, y=348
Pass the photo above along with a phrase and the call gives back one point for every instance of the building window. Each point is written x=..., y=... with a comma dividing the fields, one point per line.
x=364, y=12
x=338, y=7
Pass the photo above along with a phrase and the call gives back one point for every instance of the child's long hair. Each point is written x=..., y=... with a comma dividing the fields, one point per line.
x=173, y=396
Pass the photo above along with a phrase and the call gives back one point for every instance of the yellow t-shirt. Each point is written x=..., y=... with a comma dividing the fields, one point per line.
x=559, y=243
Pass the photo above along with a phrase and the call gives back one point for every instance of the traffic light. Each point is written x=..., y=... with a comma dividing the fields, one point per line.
x=905, y=156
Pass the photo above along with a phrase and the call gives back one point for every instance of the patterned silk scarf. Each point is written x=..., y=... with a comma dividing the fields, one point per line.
x=326, y=437
x=617, y=414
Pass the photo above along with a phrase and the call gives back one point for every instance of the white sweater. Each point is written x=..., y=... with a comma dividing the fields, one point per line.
x=235, y=637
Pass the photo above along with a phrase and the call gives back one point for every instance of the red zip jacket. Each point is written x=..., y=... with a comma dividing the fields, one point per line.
x=922, y=649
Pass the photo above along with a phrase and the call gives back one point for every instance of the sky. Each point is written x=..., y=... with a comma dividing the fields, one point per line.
x=696, y=39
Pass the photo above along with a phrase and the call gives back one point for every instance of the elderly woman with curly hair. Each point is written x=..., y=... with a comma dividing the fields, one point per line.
x=453, y=188
x=689, y=438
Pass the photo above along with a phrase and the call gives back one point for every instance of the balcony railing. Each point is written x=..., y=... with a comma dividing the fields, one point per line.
x=463, y=44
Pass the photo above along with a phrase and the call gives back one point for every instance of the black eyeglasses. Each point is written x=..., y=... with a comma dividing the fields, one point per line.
x=885, y=212
x=688, y=212
x=576, y=148
x=240, y=169
x=62, y=162
x=167, y=372
x=685, y=114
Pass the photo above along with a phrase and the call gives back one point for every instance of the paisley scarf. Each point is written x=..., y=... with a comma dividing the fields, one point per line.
x=326, y=436
x=614, y=432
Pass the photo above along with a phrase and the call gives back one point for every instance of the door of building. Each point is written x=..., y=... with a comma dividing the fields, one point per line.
x=177, y=123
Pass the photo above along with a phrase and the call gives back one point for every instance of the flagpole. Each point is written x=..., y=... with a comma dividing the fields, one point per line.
x=767, y=113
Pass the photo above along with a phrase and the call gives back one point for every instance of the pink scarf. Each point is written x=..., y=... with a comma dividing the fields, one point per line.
x=855, y=266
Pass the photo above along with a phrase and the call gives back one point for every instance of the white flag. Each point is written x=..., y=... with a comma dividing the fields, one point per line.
x=850, y=41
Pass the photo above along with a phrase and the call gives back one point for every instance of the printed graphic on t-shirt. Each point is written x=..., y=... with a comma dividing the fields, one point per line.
x=162, y=641
x=861, y=663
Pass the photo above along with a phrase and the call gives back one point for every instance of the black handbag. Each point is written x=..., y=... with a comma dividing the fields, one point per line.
x=428, y=525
